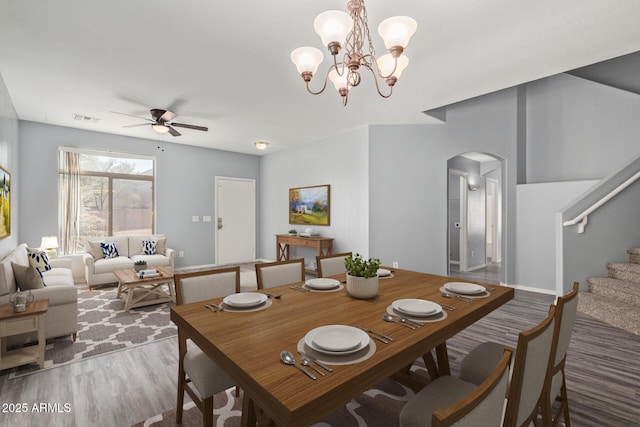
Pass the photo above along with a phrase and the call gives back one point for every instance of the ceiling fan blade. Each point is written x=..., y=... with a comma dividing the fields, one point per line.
x=168, y=116
x=139, y=124
x=184, y=125
x=173, y=132
x=131, y=115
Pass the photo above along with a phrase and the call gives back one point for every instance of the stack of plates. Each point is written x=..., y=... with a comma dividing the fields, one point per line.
x=416, y=307
x=464, y=288
x=336, y=339
x=245, y=300
x=322, y=284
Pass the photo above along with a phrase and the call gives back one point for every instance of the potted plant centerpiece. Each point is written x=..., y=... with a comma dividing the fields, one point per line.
x=139, y=265
x=362, y=276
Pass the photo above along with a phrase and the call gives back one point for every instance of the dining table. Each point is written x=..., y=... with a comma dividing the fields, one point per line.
x=247, y=344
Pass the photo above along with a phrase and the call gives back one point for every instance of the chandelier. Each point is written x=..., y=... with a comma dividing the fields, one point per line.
x=340, y=31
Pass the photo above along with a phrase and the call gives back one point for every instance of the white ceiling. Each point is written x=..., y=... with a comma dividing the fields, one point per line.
x=226, y=65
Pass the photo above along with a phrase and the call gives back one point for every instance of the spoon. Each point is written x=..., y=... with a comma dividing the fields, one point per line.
x=276, y=296
x=305, y=362
x=289, y=359
x=448, y=295
x=410, y=322
x=388, y=318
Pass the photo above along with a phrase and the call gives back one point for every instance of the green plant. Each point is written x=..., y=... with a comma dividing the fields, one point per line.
x=359, y=267
x=293, y=231
x=140, y=262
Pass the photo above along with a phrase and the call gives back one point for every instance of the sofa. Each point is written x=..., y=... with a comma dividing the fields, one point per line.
x=62, y=316
x=99, y=269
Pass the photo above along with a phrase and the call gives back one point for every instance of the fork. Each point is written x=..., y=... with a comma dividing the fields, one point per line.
x=276, y=296
x=213, y=310
x=300, y=288
x=218, y=307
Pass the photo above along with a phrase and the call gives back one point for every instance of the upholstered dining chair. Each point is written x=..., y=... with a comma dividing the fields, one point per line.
x=479, y=362
x=529, y=371
x=451, y=401
x=330, y=265
x=270, y=274
x=198, y=375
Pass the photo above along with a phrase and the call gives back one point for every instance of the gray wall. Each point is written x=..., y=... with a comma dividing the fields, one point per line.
x=9, y=160
x=184, y=184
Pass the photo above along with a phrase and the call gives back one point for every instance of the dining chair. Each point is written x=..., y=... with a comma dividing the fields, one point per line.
x=479, y=362
x=278, y=273
x=331, y=265
x=451, y=401
x=195, y=368
x=529, y=371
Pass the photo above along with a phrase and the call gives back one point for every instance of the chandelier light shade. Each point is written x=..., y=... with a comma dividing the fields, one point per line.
x=348, y=40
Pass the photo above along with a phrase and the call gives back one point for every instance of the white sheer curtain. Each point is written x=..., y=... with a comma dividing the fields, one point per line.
x=69, y=203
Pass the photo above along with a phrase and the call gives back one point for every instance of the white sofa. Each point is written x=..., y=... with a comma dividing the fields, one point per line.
x=99, y=270
x=62, y=316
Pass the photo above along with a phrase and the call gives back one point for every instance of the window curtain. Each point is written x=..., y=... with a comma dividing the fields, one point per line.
x=69, y=203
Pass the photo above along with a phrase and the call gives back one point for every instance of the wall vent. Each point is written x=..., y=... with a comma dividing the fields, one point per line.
x=87, y=119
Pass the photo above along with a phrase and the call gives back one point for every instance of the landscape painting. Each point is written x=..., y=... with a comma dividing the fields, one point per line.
x=5, y=203
x=309, y=205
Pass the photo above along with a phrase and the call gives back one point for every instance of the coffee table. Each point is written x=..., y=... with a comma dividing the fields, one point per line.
x=12, y=323
x=138, y=292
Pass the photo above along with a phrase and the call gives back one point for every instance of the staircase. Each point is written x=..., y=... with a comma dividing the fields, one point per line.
x=616, y=299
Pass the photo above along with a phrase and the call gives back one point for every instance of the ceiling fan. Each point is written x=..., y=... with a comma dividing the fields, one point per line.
x=161, y=122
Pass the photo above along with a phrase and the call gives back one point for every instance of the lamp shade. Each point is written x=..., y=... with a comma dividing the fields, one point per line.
x=387, y=62
x=397, y=31
x=333, y=26
x=49, y=242
x=339, y=81
x=307, y=59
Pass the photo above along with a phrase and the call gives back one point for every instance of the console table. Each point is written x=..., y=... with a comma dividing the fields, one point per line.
x=284, y=242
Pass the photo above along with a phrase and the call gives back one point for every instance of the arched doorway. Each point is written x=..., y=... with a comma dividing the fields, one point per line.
x=475, y=217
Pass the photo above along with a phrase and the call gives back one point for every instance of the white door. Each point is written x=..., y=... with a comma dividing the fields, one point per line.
x=235, y=220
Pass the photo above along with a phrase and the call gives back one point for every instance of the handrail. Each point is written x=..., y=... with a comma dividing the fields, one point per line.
x=583, y=218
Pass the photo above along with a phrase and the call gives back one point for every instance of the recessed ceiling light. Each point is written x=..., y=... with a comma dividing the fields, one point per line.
x=261, y=145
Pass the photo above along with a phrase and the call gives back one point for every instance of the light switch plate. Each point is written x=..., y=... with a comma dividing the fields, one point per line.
x=195, y=218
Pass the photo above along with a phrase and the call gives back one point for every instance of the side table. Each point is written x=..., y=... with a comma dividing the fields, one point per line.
x=12, y=323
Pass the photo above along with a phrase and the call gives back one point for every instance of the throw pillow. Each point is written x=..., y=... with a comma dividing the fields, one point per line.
x=149, y=247
x=109, y=250
x=95, y=249
x=39, y=259
x=161, y=245
x=27, y=278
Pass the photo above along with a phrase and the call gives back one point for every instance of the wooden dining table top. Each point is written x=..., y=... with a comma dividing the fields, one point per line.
x=247, y=345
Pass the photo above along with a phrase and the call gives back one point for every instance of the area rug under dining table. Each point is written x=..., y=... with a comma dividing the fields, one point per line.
x=104, y=327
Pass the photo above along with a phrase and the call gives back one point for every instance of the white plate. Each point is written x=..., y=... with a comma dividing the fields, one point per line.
x=322, y=283
x=245, y=299
x=383, y=272
x=347, y=339
x=464, y=288
x=416, y=307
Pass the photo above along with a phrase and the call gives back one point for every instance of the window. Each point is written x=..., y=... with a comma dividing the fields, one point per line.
x=103, y=194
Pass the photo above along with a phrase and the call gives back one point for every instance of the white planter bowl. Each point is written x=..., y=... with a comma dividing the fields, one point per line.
x=359, y=287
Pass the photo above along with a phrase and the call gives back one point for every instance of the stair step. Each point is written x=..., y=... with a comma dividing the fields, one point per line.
x=634, y=255
x=614, y=312
x=624, y=291
x=624, y=271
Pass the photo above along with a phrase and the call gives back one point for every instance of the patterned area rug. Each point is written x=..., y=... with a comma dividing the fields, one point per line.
x=104, y=327
x=378, y=407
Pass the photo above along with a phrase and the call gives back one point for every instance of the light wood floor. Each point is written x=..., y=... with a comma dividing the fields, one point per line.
x=125, y=387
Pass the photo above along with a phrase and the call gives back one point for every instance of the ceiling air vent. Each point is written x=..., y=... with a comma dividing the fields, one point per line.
x=85, y=119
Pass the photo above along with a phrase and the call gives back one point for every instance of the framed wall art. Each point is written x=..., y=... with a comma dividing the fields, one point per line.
x=5, y=203
x=310, y=205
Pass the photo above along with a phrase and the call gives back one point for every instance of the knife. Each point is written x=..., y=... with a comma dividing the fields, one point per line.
x=317, y=362
x=377, y=335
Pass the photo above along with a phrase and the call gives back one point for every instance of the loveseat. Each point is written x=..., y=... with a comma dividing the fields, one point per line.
x=128, y=249
x=62, y=316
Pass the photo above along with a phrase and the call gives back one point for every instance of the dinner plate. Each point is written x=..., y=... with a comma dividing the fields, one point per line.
x=336, y=339
x=245, y=299
x=464, y=288
x=383, y=272
x=322, y=283
x=416, y=307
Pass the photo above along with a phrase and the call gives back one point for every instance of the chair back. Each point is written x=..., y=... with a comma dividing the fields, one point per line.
x=484, y=406
x=566, y=308
x=530, y=368
x=206, y=284
x=331, y=265
x=278, y=273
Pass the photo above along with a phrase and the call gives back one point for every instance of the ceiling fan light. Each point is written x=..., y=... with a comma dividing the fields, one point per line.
x=387, y=62
x=160, y=128
x=333, y=26
x=397, y=31
x=307, y=59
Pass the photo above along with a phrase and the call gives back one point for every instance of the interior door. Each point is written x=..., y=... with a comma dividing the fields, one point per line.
x=235, y=220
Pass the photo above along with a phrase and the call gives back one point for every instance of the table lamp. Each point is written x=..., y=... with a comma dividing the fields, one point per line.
x=50, y=244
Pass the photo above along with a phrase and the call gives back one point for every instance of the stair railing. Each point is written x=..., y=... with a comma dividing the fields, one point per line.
x=583, y=218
